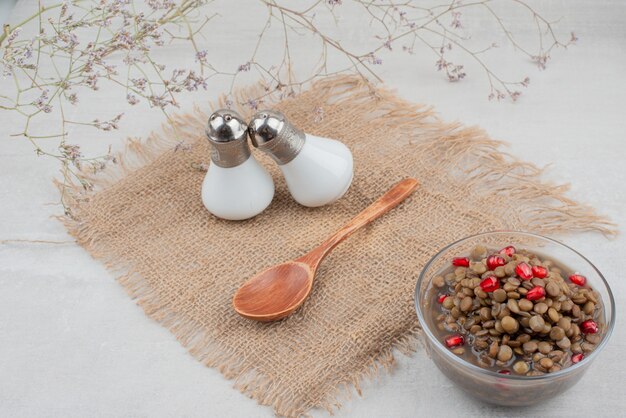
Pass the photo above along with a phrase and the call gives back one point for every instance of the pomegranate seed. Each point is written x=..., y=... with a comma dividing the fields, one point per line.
x=524, y=271
x=460, y=262
x=536, y=293
x=540, y=272
x=454, y=340
x=578, y=279
x=504, y=371
x=494, y=261
x=441, y=298
x=490, y=283
x=510, y=250
x=576, y=358
x=589, y=327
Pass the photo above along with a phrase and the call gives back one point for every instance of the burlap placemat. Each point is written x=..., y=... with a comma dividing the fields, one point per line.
x=145, y=220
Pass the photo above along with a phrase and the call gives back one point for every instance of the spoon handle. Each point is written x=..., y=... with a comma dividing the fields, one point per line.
x=392, y=198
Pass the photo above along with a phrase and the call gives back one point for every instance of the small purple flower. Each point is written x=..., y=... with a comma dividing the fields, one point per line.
x=92, y=81
x=139, y=83
x=14, y=34
x=201, y=56
x=132, y=99
x=541, y=60
x=253, y=103
x=41, y=102
x=244, y=67
x=456, y=20
x=109, y=124
x=72, y=153
x=194, y=81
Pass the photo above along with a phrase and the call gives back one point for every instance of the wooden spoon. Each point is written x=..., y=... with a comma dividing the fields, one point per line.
x=278, y=291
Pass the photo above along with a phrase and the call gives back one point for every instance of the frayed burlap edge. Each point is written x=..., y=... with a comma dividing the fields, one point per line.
x=472, y=157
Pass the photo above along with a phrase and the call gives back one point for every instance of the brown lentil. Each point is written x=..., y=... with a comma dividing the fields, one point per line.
x=525, y=305
x=521, y=367
x=546, y=363
x=540, y=308
x=505, y=353
x=499, y=295
x=536, y=323
x=553, y=289
x=557, y=333
x=439, y=281
x=510, y=325
x=553, y=314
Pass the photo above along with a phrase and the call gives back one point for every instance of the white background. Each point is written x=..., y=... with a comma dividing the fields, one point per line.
x=72, y=344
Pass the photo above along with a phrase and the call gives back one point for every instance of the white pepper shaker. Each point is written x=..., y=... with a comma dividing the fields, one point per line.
x=236, y=187
x=318, y=170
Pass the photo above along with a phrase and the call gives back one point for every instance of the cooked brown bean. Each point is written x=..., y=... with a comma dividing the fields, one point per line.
x=553, y=289
x=553, y=314
x=448, y=302
x=525, y=305
x=505, y=353
x=521, y=367
x=530, y=347
x=557, y=333
x=544, y=347
x=536, y=323
x=466, y=304
x=493, y=350
x=546, y=363
x=499, y=295
x=510, y=325
x=439, y=281
x=564, y=343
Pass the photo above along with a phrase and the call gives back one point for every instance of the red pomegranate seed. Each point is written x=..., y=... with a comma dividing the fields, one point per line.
x=441, y=298
x=524, y=271
x=510, y=250
x=490, y=283
x=460, y=262
x=589, y=327
x=536, y=293
x=494, y=261
x=540, y=272
x=576, y=358
x=504, y=371
x=578, y=279
x=454, y=340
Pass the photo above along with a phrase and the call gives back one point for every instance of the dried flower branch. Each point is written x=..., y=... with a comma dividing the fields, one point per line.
x=53, y=67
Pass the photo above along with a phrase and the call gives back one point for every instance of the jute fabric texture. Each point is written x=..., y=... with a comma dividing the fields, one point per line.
x=144, y=219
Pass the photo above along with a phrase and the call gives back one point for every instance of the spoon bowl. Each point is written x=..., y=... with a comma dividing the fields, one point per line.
x=277, y=291
x=288, y=283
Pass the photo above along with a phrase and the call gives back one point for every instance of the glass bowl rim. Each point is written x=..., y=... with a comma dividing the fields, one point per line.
x=457, y=360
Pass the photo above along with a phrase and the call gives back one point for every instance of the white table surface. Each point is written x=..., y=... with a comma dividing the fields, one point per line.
x=73, y=344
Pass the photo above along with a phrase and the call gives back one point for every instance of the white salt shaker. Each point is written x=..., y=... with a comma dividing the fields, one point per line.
x=236, y=187
x=318, y=170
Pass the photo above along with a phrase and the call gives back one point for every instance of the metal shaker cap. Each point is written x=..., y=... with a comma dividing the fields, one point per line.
x=227, y=133
x=271, y=132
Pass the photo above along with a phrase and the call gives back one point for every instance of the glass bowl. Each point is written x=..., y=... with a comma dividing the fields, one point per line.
x=490, y=386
